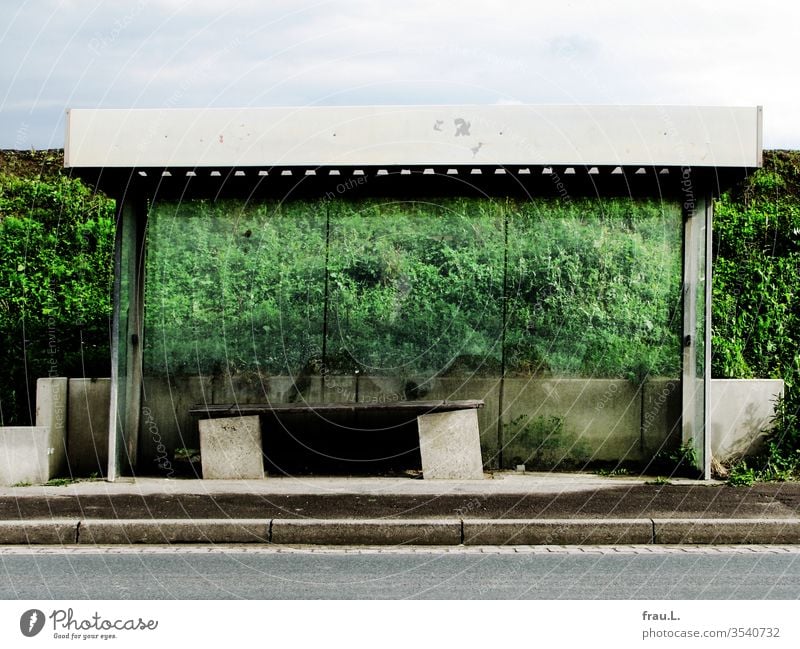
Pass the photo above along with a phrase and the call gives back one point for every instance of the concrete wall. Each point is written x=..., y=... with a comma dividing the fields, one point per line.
x=552, y=422
x=740, y=412
x=166, y=424
x=599, y=419
x=549, y=422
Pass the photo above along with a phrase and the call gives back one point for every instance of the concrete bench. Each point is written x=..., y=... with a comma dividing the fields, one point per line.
x=449, y=438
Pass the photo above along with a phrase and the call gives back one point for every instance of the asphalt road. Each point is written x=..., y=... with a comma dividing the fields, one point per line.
x=326, y=573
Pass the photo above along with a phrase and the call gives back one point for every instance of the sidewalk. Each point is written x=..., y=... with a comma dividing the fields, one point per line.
x=505, y=508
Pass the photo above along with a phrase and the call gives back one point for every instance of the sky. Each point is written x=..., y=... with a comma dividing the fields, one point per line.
x=59, y=54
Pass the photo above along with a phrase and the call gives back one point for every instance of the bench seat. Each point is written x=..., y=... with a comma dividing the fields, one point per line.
x=412, y=407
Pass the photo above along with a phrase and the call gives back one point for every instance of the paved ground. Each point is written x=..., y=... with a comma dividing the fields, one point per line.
x=506, y=508
x=557, y=496
x=593, y=572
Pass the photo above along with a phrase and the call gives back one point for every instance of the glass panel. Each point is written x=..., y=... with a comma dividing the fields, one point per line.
x=416, y=289
x=234, y=289
x=593, y=289
x=234, y=305
x=593, y=331
x=558, y=313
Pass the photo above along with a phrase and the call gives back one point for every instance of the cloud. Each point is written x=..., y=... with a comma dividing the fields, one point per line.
x=250, y=53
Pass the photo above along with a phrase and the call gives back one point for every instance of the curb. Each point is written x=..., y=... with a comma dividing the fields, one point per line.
x=603, y=531
x=39, y=532
x=723, y=531
x=453, y=532
x=114, y=532
x=367, y=532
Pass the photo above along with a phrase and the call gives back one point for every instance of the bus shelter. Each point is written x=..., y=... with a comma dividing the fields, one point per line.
x=550, y=262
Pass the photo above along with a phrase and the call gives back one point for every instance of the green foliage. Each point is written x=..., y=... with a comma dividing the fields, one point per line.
x=56, y=238
x=779, y=460
x=591, y=287
x=188, y=454
x=741, y=475
x=413, y=288
x=596, y=288
x=615, y=472
x=756, y=284
x=60, y=482
x=234, y=288
x=681, y=461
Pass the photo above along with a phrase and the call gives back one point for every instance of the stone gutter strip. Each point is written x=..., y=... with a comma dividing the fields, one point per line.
x=393, y=532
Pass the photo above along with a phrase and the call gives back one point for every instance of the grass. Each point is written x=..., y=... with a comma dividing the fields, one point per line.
x=61, y=482
x=613, y=473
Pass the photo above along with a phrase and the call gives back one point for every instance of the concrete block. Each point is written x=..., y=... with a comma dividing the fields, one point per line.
x=25, y=454
x=557, y=532
x=51, y=411
x=450, y=446
x=458, y=388
x=741, y=410
x=112, y=532
x=87, y=436
x=38, y=532
x=366, y=532
x=230, y=448
x=599, y=420
x=727, y=531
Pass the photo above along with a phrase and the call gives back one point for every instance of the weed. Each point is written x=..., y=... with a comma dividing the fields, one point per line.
x=188, y=454
x=60, y=482
x=615, y=472
x=681, y=461
x=780, y=460
x=741, y=476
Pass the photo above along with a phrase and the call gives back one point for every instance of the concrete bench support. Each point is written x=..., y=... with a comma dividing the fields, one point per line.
x=25, y=453
x=230, y=448
x=450, y=445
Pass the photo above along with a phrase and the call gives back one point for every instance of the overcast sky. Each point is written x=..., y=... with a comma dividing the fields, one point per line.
x=56, y=54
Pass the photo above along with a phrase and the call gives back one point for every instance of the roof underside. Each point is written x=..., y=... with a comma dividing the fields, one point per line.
x=420, y=137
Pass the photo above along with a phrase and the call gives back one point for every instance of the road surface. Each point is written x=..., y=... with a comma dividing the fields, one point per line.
x=229, y=572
